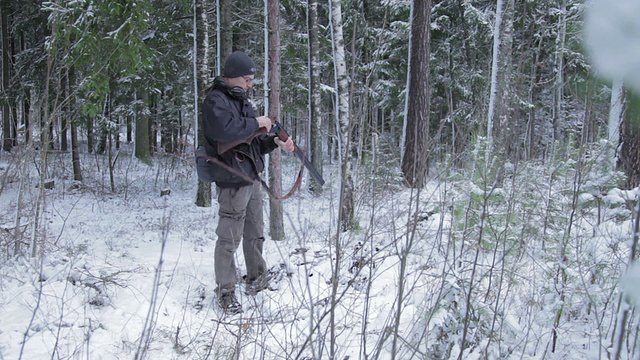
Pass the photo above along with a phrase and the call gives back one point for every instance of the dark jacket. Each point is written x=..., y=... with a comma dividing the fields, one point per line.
x=229, y=116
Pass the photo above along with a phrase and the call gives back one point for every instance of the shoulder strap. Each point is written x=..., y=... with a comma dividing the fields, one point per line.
x=272, y=194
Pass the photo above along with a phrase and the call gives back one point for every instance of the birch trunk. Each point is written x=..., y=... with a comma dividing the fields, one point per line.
x=615, y=118
x=343, y=118
x=200, y=75
x=558, y=98
x=498, y=119
x=494, y=71
x=346, y=213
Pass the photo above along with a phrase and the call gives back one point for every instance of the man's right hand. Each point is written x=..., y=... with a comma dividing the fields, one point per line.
x=265, y=122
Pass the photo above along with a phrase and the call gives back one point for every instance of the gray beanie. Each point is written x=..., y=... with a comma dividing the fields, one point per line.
x=238, y=64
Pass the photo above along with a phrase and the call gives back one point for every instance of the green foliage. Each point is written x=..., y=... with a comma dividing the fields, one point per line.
x=106, y=41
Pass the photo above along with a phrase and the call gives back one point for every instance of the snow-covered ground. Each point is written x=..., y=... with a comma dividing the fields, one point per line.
x=129, y=273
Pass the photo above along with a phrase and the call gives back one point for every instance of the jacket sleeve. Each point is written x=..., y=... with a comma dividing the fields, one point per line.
x=267, y=143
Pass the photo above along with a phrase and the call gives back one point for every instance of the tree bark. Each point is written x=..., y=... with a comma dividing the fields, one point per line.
x=142, y=133
x=201, y=71
x=630, y=150
x=415, y=159
x=315, y=120
x=558, y=87
x=75, y=146
x=615, y=118
x=276, y=221
x=346, y=201
x=225, y=29
x=347, y=207
x=498, y=112
x=90, y=135
x=7, y=141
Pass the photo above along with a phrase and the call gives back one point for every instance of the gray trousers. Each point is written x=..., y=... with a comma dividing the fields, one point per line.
x=240, y=219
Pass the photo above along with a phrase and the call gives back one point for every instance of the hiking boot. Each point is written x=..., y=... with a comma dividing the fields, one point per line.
x=229, y=303
x=258, y=284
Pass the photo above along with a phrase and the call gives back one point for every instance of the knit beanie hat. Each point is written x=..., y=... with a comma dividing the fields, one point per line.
x=238, y=64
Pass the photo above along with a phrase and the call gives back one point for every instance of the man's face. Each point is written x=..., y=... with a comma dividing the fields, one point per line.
x=244, y=82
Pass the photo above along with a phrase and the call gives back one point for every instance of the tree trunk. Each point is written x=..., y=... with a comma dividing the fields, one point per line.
x=64, y=129
x=343, y=112
x=7, y=141
x=498, y=112
x=415, y=159
x=75, y=153
x=630, y=150
x=129, y=129
x=65, y=113
x=315, y=120
x=75, y=146
x=142, y=133
x=615, y=118
x=153, y=126
x=531, y=136
x=276, y=221
x=558, y=93
x=225, y=29
x=104, y=125
x=26, y=107
x=90, y=135
x=200, y=75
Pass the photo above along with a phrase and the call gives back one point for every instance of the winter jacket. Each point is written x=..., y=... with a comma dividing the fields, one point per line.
x=228, y=115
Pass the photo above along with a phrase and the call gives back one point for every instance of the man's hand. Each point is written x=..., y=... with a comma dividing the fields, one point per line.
x=286, y=145
x=264, y=122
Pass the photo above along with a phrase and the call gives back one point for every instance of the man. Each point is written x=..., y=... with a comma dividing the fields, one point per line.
x=229, y=117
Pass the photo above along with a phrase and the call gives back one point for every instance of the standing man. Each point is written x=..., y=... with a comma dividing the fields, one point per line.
x=228, y=117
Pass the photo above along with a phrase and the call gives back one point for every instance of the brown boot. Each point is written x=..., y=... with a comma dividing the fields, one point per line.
x=229, y=303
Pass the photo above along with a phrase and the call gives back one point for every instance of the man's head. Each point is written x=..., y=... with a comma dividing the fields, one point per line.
x=239, y=70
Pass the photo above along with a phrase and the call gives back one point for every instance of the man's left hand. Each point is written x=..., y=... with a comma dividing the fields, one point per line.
x=286, y=145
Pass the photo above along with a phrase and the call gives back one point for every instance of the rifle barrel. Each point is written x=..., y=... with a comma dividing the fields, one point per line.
x=312, y=170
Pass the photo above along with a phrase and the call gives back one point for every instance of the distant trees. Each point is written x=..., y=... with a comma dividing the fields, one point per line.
x=120, y=43
x=120, y=69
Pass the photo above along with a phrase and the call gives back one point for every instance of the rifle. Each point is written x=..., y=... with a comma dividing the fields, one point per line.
x=282, y=134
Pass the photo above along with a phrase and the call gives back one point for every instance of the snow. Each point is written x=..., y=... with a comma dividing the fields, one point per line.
x=92, y=294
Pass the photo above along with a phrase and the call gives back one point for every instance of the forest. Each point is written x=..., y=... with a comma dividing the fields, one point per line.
x=481, y=158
